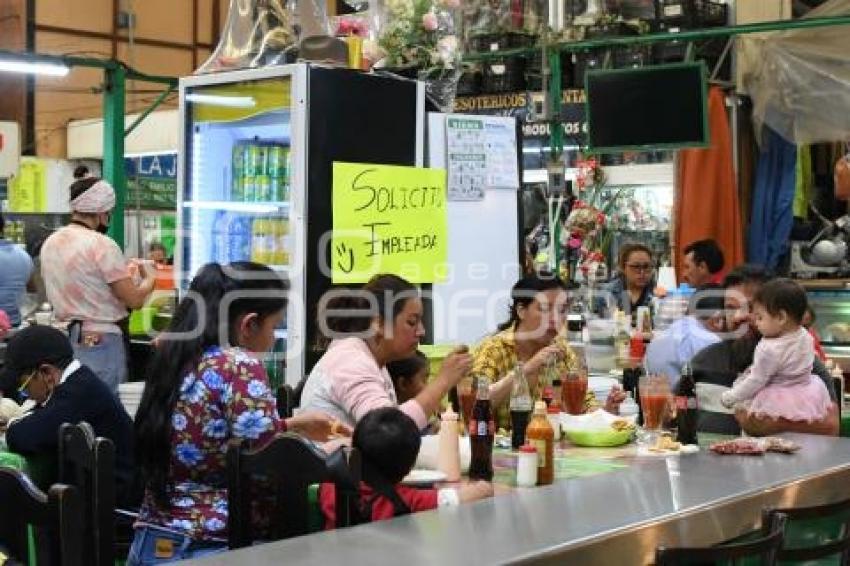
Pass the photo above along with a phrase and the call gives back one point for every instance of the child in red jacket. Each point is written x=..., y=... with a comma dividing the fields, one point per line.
x=388, y=442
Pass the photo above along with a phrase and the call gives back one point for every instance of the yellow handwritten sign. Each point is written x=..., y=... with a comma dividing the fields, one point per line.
x=28, y=189
x=388, y=219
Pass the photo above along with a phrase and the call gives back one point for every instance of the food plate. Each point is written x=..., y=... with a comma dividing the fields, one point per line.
x=602, y=438
x=423, y=477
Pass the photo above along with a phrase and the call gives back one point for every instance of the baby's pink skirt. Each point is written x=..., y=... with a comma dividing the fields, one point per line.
x=799, y=402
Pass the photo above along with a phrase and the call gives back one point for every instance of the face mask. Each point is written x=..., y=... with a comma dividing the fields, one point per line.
x=103, y=228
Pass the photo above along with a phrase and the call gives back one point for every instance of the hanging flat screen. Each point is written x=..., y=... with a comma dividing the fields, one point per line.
x=658, y=107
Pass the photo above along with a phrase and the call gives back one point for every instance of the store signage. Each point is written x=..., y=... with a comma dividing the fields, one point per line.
x=388, y=219
x=28, y=189
x=528, y=107
x=152, y=181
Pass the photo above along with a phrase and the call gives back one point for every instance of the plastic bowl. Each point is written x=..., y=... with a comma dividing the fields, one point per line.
x=604, y=438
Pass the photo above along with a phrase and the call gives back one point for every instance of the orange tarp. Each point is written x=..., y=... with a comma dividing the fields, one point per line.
x=707, y=201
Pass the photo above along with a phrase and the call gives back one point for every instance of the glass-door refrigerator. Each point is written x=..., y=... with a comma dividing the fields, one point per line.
x=255, y=176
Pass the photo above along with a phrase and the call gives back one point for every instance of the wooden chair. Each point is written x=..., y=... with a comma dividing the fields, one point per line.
x=285, y=401
x=55, y=515
x=283, y=471
x=815, y=533
x=766, y=547
x=88, y=463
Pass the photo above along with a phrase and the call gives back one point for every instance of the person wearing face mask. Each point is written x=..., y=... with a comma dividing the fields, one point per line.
x=717, y=367
x=89, y=284
x=40, y=363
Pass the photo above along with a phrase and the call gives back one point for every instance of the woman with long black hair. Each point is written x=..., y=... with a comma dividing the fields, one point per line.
x=207, y=386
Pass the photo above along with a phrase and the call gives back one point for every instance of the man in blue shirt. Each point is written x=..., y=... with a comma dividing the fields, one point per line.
x=17, y=268
x=669, y=352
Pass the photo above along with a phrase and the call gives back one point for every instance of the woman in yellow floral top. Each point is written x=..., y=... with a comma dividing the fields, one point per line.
x=532, y=336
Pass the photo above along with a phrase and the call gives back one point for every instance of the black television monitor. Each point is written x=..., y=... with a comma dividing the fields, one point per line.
x=658, y=107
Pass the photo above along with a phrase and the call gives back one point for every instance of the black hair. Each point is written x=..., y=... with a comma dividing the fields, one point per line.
x=81, y=171
x=707, y=301
x=80, y=186
x=408, y=367
x=352, y=311
x=524, y=290
x=264, y=294
x=707, y=252
x=783, y=295
x=156, y=246
x=388, y=442
x=746, y=274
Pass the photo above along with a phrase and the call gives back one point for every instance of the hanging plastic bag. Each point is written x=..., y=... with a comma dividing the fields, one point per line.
x=259, y=33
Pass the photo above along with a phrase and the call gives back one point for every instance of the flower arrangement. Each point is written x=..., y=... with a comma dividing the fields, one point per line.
x=589, y=226
x=420, y=34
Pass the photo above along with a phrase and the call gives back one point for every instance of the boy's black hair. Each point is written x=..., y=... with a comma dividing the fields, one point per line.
x=783, y=295
x=388, y=441
x=408, y=367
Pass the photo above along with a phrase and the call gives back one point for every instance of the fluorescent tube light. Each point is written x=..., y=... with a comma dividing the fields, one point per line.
x=221, y=100
x=33, y=68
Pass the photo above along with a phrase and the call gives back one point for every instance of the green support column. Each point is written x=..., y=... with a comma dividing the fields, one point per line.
x=113, y=145
x=557, y=130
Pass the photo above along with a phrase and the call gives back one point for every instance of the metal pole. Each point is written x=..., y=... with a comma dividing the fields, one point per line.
x=159, y=100
x=114, y=92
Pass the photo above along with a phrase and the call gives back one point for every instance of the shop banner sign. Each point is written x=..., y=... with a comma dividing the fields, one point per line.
x=152, y=181
x=388, y=219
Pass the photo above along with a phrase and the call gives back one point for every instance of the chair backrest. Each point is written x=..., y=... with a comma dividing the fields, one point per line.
x=285, y=401
x=280, y=474
x=55, y=515
x=88, y=463
x=766, y=547
x=815, y=533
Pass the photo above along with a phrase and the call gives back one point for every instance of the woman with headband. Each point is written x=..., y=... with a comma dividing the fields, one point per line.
x=88, y=281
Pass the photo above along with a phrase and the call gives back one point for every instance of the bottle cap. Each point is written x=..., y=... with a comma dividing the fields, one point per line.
x=528, y=449
x=540, y=408
x=449, y=414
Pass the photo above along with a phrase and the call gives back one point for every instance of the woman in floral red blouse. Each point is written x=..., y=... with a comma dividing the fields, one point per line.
x=202, y=391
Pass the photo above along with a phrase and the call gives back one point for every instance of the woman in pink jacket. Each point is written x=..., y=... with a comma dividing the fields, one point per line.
x=367, y=329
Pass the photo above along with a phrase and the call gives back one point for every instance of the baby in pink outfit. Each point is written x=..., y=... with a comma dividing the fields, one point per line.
x=780, y=383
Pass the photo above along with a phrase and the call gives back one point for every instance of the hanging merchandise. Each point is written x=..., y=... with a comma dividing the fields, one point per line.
x=799, y=79
x=707, y=203
x=258, y=33
x=842, y=178
x=773, y=199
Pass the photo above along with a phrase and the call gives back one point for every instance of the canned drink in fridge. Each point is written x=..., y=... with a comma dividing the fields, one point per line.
x=261, y=160
x=277, y=161
x=249, y=188
x=252, y=160
x=263, y=188
x=276, y=189
x=237, y=189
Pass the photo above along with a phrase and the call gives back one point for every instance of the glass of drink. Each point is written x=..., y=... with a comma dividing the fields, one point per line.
x=573, y=392
x=655, y=401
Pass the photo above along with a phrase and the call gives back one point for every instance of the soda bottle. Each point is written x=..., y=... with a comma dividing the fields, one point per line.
x=541, y=435
x=547, y=382
x=520, y=406
x=258, y=243
x=482, y=429
x=686, y=407
x=237, y=188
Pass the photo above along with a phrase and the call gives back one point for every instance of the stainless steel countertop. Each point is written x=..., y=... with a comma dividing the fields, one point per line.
x=613, y=518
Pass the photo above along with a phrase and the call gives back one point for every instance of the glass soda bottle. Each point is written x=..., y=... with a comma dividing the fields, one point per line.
x=482, y=429
x=541, y=435
x=520, y=406
x=686, y=407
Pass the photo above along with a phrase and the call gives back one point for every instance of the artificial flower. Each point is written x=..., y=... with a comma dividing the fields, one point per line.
x=429, y=21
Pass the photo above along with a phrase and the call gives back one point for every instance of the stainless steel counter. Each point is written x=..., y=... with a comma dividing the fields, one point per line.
x=614, y=518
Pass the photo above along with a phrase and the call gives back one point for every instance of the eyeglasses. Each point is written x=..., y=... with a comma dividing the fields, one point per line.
x=27, y=380
x=644, y=267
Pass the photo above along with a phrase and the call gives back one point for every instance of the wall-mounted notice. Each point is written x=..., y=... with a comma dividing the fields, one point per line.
x=388, y=219
x=481, y=154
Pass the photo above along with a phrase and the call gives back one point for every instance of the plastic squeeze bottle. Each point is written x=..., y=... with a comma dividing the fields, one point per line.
x=448, y=455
